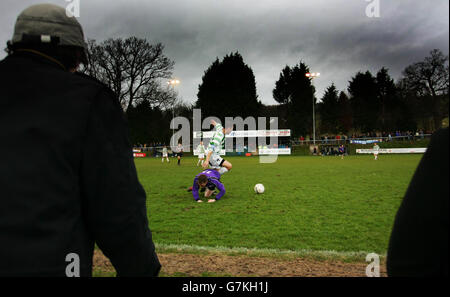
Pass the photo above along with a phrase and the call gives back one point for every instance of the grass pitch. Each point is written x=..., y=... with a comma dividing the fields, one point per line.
x=315, y=204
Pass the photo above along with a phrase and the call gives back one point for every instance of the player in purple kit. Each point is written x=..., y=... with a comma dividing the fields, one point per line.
x=341, y=151
x=209, y=180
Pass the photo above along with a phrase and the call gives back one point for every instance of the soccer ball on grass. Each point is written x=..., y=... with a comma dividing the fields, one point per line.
x=259, y=188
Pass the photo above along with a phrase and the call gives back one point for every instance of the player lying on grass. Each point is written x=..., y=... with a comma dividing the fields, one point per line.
x=216, y=144
x=208, y=180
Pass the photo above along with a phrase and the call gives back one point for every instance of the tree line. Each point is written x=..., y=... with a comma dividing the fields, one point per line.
x=419, y=100
x=371, y=102
x=138, y=71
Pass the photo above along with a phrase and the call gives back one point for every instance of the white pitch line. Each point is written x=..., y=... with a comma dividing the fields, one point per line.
x=221, y=249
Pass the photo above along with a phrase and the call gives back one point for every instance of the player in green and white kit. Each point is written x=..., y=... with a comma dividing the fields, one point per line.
x=165, y=154
x=376, y=149
x=216, y=144
x=201, y=153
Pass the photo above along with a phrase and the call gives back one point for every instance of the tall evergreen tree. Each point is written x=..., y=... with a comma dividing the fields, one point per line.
x=394, y=113
x=296, y=91
x=283, y=86
x=364, y=101
x=329, y=111
x=228, y=89
x=345, y=113
x=387, y=97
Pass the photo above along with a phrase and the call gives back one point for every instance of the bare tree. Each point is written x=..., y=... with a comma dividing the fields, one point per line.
x=133, y=68
x=429, y=78
x=159, y=95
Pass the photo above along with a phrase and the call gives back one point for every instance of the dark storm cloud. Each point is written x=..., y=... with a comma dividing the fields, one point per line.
x=335, y=38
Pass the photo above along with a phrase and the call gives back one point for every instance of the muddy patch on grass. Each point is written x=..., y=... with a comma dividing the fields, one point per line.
x=224, y=265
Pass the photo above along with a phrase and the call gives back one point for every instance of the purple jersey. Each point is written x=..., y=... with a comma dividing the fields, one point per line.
x=213, y=182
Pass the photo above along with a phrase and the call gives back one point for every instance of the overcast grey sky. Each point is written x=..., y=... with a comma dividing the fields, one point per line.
x=333, y=37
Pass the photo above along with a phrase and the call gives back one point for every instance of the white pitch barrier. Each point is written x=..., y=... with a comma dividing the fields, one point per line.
x=274, y=151
x=418, y=150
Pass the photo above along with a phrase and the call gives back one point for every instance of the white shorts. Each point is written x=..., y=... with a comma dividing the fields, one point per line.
x=201, y=156
x=375, y=153
x=216, y=161
x=164, y=155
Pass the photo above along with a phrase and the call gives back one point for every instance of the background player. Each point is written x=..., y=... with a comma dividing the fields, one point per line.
x=342, y=151
x=179, y=152
x=165, y=154
x=201, y=153
x=376, y=149
x=216, y=144
x=209, y=180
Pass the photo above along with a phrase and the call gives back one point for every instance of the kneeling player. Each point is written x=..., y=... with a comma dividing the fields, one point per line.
x=208, y=180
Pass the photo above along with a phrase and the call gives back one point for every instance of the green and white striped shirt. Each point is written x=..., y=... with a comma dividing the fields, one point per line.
x=217, y=140
x=200, y=149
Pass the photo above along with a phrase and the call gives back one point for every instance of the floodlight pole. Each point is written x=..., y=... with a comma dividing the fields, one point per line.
x=314, y=122
x=313, y=75
x=173, y=127
x=173, y=83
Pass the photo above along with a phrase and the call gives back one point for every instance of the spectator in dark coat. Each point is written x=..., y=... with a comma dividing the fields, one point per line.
x=419, y=241
x=67, y=174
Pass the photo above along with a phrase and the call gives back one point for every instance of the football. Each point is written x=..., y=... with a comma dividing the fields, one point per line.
x=259, y=188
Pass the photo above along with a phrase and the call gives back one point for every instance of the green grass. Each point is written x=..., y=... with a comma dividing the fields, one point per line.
x=310, y=203
x=102, y=273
